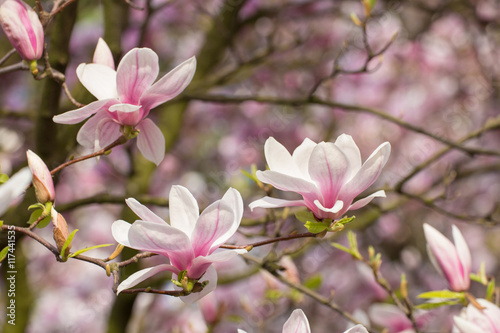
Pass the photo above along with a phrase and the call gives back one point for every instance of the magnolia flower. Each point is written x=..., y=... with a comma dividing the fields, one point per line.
x=452, y=261
x=125, y=97
x=13, y=188
x=189, y=241
x=23, y=28
x=42, y=179
x=60, y=232
x=327, y=175
x=474, y=320
x=298, y=323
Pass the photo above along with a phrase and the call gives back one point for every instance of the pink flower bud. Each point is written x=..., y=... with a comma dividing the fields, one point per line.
x=22, y=27
x=103, y=55
x=61, y=231
x=42, y=179
x=452, y=261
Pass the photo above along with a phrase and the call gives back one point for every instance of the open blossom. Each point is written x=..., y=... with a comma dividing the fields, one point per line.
x=22, y=27
x=327, y=175
x=474, y=320
x=452, y=261
x=189, y=241
x=13, y=188
x=298, y=323
x=42, y=179
x=125, y=97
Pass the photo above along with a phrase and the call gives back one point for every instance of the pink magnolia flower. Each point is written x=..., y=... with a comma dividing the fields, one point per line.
x=125, y=97
x=327, y=175
x=42, y=179
x=452, y=261
x=298, y=323
x=474, y=320
x=189, y=241
x=13, y=188
x=23, y=28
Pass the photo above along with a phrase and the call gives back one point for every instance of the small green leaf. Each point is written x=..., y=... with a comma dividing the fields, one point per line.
x=88, y=249
x=35, y=215
x=490, y=290
x=1, y=223
x=345, y=220
x=314, y=282
x=315, y=227
x=3, y=178
x=247, y=174
x=274, y=294
x=305, y=216
x=430, y=306
x=3, y=253
x=442, y=294
x=341, y=247
x=66, y=244
x=355, y=19
x=36, y=206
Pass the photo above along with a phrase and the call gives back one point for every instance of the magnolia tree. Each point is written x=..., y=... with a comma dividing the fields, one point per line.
x=249, y=166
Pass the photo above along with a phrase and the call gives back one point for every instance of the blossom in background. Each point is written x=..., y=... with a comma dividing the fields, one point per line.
x=298, y=323
x=452, y=261
x=23, y=28
x=393, y=319
x=125, y=97
x=13, y=188
x=474, y=320
x=189, y=241
x=327, y=175
x=42, y=179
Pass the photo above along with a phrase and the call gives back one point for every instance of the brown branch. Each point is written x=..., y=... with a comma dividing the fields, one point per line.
x=270, y=241
x=122, y=139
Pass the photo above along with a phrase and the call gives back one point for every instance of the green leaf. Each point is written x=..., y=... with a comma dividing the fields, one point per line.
x=314, y=282
x=342, y=248
x=345, y=220
x=1, y=223
x=88, y=249
x=35, y=215
x=3, y=253
x=3, y=178
x=430, y=306
x=66, y=244
x=305, y=216
x=315, y=227
x=247, y=174
x=274, y=294
x=490, y=290
x=442, y=294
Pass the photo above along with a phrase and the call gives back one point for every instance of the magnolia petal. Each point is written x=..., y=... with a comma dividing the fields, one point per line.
x=144, y=274
x=286, y=183
x=269, y=202
x=210, y=276
x=297, y=323
x=107, y=132
x=150, y=141
x=78, y=115
x=347, y=145
x=233, y=199
x=462, y=250
x=337, y=207
x=100, y=80
x=120, y=231
x=23, y=28
x=126, y=114
x=446, y=257
x=184, y=211
x=301, y=156
x=366, y=200
x=200, y=264
x=368, y=173
x=103, y=55
x=213, y=223
x=136, y=73
x=42, y=178
x=465, y=326
x=162, y=239
x=357, y=329
x=170, y=85
x=491, y=312
x=143, y=212
x=279, y=159
x=328, y=167
x=14, y=187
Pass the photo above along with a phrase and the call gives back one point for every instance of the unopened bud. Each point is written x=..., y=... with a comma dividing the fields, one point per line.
x=61, y=231
x=42, y=179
